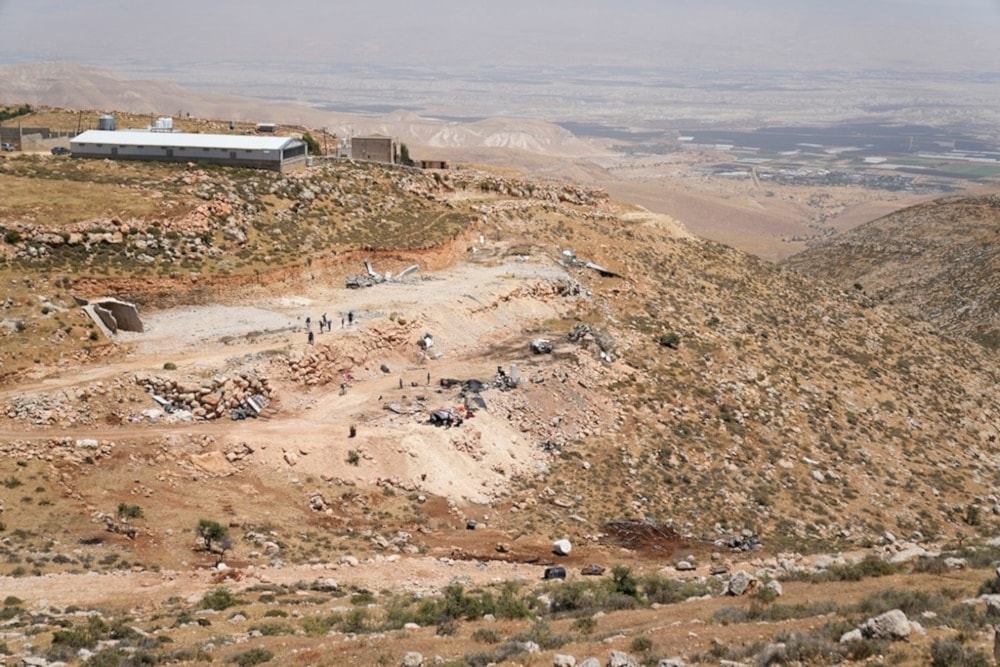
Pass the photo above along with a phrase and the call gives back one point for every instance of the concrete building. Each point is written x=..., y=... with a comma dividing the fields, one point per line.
x=375, y=148
x=274, y=153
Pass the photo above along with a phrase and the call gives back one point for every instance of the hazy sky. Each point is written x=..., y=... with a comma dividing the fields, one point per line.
x=740, y=34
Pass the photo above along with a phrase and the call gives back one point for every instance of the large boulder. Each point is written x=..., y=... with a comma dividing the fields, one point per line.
x=741, y=583
x=892, y=624
x=562, y=660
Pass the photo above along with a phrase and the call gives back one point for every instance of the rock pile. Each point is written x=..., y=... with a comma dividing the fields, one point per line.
x=70, y=450
x=209, y=399
x=65, y=406
x=324, y=363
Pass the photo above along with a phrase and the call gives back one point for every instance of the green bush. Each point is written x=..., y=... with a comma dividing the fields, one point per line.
x=487, y=636
x=219, y=599
x=641, y=644
x=274, y=629
x=254, y=656
x=664, y=590
x=584, y=625
x=625, y=582
x=949, y=653
x=671, y=340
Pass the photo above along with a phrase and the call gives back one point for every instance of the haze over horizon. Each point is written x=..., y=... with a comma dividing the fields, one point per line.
x=929, y=35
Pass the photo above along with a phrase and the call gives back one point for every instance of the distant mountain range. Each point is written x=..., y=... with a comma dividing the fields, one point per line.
x=71, y=86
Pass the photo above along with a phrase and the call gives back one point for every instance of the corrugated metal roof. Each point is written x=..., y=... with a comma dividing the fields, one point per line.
x=183, y=139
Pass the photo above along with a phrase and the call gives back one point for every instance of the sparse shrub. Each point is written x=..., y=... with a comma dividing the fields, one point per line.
x=274, y=629
x=810, y=649
x=212, y=532
x=12, y=482
x=446, y=628
x=317, y=626
x=671, y=340
x=910, y=603
x=541, y=634
x=625, y=582
x=254, y=656
x=363, y=598
x=990, y=586
x=219, y=599
x=170, y=366
x=584, y=625
x=353, y=458
x=641, y=644
x=487, y=636
x=664, y=590
x=127, y=512
x=356, y=621
x=949, y=653
x=12, y=601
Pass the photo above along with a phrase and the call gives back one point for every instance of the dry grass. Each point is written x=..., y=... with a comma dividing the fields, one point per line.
x=60, y=202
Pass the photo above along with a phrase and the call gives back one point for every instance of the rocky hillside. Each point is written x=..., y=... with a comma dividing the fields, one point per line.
x=744, y=396
x=939, y=262
x=688, y=401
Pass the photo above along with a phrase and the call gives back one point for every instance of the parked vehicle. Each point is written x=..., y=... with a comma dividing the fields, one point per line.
x=60, y=150
x=6, y=146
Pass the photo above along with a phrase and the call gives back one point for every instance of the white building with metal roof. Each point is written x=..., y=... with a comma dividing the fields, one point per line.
x=237, y=150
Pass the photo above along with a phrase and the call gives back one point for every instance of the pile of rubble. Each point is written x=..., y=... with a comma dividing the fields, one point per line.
x=323, y=363
x=71, y=450
x=65, y=406
x=209, y=399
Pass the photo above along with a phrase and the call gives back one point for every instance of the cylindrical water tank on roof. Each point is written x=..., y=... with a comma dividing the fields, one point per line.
x=106, y=122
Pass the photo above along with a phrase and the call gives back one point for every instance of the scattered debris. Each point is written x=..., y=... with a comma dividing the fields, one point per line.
x=372, y=277
x=641, y=535
x=562, y=547
x=570, y=259
x=592, y=571
x=449, y=417
x=557, y=572
x=541, y=346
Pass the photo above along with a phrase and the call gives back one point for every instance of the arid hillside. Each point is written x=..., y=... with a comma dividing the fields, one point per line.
x=938, y=262
x=559, y=366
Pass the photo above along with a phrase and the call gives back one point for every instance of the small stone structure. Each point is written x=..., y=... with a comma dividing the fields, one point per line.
x=112, y=314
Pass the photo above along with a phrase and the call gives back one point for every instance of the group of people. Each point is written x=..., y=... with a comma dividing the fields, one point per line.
x=326, y=323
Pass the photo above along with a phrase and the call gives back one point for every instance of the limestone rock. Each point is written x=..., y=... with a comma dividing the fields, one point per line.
x=892, y=624
x=413, y=659
x=620, y=659
x=851, y=636
x=740, y=583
